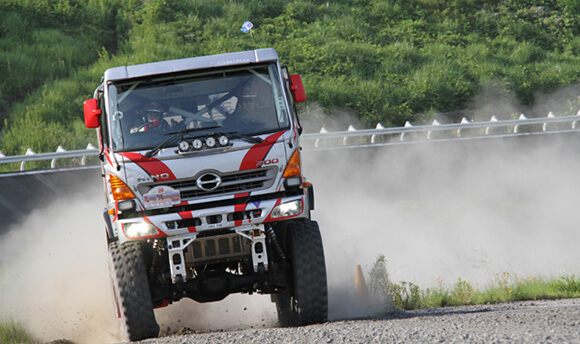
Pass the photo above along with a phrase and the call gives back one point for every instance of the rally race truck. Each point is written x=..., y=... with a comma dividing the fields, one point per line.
x=204, y=190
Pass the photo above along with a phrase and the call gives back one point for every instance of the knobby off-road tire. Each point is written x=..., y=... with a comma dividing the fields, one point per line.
x=131, y=291
x=305, y=302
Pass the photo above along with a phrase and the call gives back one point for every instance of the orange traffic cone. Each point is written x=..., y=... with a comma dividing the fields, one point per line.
x=360, y=286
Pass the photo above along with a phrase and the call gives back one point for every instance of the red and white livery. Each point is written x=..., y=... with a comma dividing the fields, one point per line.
x=204, y=188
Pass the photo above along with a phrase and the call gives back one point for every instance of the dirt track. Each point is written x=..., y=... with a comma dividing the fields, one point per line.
x=520, y=322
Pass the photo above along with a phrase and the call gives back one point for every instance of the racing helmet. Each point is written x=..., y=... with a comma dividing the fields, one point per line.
x=248, y=93
x=154, y=107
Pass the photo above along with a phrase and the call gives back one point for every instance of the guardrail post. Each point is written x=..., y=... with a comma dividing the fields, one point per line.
x=84, y=158
x=463, y=121
x=517, y=126
x=574, y=123
x=407, y=125
x=545, y=125
x=317, y=141
x=488, y=129
x=345, y=139
x=58, y=150
x=23, y=163
x=379, y=127
x=435, y=123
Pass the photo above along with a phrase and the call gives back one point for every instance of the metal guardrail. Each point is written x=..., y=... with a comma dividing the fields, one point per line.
x=465, y=130
x=379, y=136
x=60, y=153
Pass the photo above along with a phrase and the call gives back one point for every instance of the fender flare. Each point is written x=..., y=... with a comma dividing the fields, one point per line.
x=108, y=226
x=310, y=191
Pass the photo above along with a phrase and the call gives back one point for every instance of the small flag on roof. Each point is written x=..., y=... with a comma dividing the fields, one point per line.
x=247, y=26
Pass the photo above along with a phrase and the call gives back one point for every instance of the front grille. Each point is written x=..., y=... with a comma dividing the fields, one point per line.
x=231, y=183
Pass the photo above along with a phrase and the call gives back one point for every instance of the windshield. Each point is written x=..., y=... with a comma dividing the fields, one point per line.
x=241, y=101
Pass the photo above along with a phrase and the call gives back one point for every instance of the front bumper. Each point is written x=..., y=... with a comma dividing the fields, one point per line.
x=179, y=220
x=214, y=235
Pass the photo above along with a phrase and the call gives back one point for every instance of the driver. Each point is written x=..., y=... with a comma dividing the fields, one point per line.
x=246, y=111
x=154, y=118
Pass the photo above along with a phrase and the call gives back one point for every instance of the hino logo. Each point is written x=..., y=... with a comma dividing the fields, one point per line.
x=161, y=176
x=208, y=181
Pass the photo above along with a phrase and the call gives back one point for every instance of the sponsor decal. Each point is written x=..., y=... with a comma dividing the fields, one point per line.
x=161, y=197
x=154, y=167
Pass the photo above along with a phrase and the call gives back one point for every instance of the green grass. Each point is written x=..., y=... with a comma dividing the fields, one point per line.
x=13, y=332
x=504, y=288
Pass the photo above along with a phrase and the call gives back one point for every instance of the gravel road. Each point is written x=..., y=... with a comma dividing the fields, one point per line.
x=519, y=322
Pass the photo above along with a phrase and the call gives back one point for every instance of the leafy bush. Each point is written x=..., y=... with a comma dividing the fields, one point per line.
x=380, y=286
x=407, y=296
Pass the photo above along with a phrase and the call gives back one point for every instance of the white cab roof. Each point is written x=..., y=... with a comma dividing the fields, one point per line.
x=192, y=63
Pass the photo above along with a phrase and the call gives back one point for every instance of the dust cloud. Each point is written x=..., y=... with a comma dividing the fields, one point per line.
x=442, y=211
x=54, y=272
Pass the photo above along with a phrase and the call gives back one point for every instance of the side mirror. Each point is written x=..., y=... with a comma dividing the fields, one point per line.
x=92, y=113
x=297, y=88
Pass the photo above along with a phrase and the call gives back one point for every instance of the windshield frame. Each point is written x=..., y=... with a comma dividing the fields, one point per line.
x=211, y=90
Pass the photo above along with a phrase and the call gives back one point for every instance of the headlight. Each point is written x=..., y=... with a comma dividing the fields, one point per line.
x=287, y=209
x=139, y=229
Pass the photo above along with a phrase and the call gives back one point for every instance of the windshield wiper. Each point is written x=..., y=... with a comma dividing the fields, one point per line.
x=173, y=139
x=247, y=138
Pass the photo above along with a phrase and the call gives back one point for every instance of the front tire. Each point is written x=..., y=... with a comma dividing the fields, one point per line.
x=305, y=300
x=131, y=291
